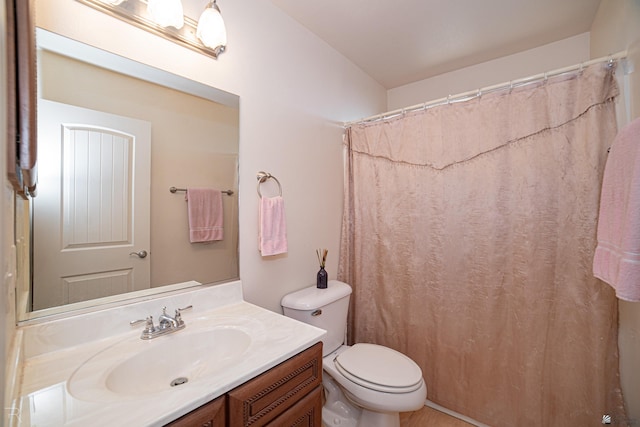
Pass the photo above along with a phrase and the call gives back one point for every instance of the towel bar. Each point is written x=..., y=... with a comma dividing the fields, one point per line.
x=263, y=176
x=174, y=189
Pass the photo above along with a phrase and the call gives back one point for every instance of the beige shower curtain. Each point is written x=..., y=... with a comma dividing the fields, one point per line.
x=468, y=237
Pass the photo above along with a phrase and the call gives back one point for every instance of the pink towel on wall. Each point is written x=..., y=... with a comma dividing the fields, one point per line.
x=617, y=257
x=205, y=214
x=272, y=233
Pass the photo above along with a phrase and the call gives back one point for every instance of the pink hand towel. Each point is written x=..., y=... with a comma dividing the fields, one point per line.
x=272, y=233
x=617, y=257
x=205, y=214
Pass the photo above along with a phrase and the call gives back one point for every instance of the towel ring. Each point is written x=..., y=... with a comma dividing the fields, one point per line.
x=263, y=176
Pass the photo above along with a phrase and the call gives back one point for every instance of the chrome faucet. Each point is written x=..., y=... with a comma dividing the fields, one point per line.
x=166, y=324
x=167, y=321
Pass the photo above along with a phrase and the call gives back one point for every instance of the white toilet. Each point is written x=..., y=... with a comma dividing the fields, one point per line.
x=366, y=385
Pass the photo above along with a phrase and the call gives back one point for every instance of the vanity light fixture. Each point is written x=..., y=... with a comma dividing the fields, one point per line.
x=211, y=29
x=165, y=18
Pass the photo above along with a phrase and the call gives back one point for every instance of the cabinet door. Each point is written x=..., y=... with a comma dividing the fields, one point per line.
x=211, y=414
x=259, y=401
x=306, y=413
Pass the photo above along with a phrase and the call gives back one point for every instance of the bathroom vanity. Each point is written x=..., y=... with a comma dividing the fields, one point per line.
x=286, y=395
x=234, y=364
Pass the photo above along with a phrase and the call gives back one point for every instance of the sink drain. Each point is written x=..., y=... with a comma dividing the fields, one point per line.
x=179, y=381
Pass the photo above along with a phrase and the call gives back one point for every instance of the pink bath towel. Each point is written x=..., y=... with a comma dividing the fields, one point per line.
x=617, y=257
x=272, y=233
x=205, y=215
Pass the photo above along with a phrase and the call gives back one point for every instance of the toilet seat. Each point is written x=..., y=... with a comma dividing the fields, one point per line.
x=379, y=368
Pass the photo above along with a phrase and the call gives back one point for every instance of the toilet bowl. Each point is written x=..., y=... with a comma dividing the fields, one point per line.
x=366, y=385
x=395, y=385
x=377, y=402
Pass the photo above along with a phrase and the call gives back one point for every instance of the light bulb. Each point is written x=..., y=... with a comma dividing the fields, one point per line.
x=211, y=29
x=166, y=13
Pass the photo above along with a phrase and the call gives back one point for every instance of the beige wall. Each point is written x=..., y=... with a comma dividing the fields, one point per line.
x=549, y=57
x=617, y=28
x=194, y=143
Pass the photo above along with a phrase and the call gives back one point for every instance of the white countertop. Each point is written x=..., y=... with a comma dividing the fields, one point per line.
x=44, y=398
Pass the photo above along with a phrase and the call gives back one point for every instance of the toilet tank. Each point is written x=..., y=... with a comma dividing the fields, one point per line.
x=324, y=308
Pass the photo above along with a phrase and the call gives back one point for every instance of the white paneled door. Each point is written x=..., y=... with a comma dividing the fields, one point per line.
x=91, y=214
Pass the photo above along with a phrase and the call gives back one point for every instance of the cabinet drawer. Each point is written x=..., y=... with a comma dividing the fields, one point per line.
x=261, y=400
x=210, y=415
x=306, y=413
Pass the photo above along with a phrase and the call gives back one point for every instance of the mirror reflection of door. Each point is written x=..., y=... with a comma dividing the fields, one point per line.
x=91, y=214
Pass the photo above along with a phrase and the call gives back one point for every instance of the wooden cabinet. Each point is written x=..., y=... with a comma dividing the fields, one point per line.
x=306, y=413
x=287, y=395
x=269, y=395
x=212, y=414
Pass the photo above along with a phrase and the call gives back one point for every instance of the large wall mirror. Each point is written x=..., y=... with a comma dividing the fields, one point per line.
x=114, y=136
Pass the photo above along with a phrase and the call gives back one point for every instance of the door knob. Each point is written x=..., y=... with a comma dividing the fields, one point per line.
x=141, y=254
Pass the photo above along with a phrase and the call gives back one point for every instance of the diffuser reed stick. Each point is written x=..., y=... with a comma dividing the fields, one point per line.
x=322, y=256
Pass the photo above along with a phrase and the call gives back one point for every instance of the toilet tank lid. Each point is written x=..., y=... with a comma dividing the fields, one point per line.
x=311, y=298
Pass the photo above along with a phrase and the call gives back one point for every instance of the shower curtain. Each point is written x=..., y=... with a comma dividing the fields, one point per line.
x=468, y=237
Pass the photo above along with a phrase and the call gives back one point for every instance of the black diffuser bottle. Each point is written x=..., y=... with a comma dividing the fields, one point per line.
x=322, y=277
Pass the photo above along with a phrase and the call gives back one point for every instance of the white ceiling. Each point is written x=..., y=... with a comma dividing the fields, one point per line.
x=402, y=41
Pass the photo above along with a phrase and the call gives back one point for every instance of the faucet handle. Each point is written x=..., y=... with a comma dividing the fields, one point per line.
x=178, y=317
x=148, y=325
x=178, y=310
x=135, y=322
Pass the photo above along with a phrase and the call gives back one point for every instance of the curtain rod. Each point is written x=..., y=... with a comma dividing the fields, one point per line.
x=469, y=95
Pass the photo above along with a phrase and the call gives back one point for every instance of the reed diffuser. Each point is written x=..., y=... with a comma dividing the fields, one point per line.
x=322, y=276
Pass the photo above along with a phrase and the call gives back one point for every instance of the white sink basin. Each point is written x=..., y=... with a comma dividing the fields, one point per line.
x=135, y=367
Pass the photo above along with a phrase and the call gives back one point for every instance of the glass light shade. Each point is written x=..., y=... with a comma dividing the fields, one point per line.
x=211, y=29
x=166, y=13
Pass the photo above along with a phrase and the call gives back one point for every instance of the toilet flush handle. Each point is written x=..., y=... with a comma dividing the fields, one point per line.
x=316, y=312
